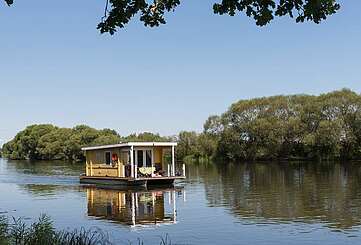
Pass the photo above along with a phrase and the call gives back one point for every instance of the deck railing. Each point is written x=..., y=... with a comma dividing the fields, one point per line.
x=120, y=171
x=179, y=170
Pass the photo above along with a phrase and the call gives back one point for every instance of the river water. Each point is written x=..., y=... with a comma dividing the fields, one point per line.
x=258, y=203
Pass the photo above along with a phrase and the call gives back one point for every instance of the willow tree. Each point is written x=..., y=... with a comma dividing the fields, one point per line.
x=118, y=13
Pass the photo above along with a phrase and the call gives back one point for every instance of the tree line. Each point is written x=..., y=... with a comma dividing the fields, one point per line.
x=49, y=142
x=327, y=126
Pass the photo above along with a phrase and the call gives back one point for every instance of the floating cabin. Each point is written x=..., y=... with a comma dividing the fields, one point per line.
x=132, y=164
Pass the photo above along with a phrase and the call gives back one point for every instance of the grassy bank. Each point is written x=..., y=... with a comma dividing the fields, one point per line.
x=15, y=231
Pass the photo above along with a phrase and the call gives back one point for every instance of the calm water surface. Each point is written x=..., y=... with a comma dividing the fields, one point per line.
x=263, y=203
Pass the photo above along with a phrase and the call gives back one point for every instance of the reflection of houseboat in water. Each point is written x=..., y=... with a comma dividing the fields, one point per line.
x=132, y=163
x=134, y=207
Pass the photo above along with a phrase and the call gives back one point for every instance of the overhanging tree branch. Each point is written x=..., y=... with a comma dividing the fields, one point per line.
x=118, y=13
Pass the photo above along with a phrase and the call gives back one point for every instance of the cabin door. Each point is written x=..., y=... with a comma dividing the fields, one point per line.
x=143, y=157
x=107, y=158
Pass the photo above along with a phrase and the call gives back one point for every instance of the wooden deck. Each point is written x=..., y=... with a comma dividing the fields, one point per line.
x=121, y=181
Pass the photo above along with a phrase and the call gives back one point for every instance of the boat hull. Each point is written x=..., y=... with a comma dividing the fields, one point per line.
x=121, y=182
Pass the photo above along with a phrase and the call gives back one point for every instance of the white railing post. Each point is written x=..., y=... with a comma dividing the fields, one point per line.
x=91, y=168
x=184, y=169
x=131, y=162
x=173, y=162
x=152, y=174
x=118, y=167
x=86, y=168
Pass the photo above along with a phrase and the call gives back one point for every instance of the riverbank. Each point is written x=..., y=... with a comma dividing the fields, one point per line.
x=14, y=231
x=291, y=127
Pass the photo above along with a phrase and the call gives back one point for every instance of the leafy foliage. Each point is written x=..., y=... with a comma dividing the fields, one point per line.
x=118, y=13
x=48, y=142
x=145, y=137
x=298, y=126
x=263, y=11
x=279, y=127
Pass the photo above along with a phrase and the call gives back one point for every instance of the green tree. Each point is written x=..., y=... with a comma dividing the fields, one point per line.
x=118, y=13
x=187, y=145
x=50, y=142
x=145, y=137
x=24, y=145
x=301, y=126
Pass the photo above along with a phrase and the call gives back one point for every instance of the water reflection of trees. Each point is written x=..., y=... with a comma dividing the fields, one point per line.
x=307, y=192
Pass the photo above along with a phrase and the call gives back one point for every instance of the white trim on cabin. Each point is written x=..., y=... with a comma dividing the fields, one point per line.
x=129, y=144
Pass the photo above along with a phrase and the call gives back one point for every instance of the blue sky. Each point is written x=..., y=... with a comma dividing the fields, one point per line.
x=56, y=68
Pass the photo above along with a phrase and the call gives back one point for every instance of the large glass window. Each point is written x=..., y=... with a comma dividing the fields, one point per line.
x=148, y=159
x=99, y=157
x=140, y=158
x=107, y=158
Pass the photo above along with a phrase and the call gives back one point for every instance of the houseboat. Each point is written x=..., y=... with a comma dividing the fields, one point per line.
x=132, y=164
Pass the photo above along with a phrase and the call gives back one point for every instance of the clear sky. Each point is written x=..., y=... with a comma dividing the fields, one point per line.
x=56, y=68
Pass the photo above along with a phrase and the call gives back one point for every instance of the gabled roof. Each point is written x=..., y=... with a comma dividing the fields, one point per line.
x=129, y=144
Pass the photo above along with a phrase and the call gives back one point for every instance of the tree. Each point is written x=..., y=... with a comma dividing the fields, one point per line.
x=118, y=13
x=48, y=142
x=187, y=144
x=296, y=126
x=145, y=137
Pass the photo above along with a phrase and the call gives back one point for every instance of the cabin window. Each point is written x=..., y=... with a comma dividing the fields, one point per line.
x=99, y=157
x=107, y=158
x=148, y=159
x=140, y=158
